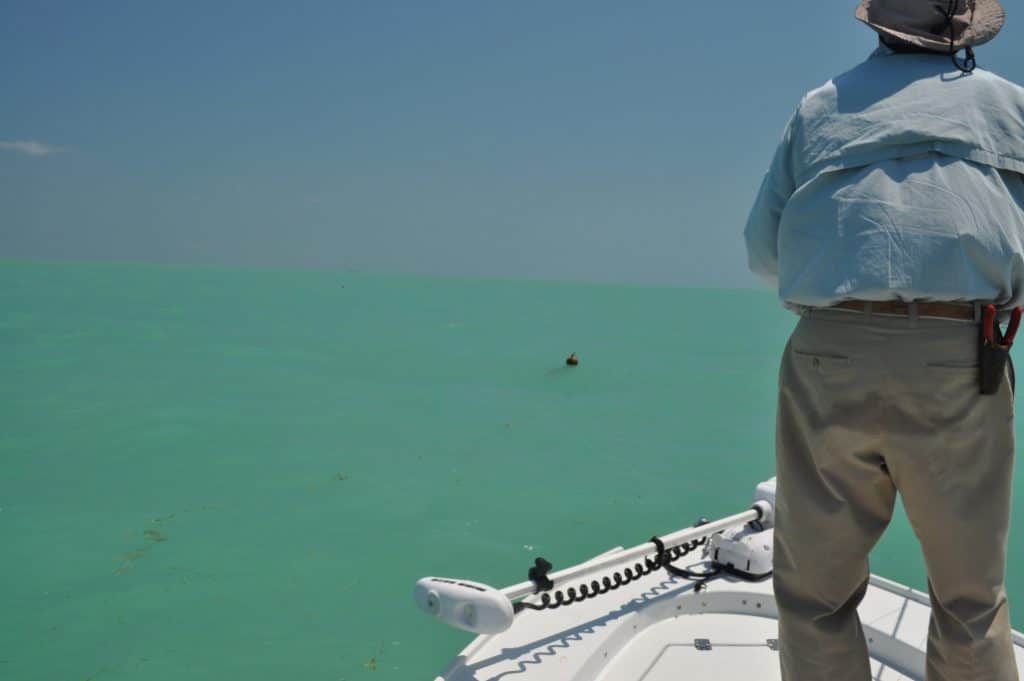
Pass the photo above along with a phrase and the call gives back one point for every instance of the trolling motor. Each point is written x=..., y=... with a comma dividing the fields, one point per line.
x=739, y=544
x=465, y=605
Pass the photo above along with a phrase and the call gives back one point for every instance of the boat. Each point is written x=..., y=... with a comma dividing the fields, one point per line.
x=696, y=603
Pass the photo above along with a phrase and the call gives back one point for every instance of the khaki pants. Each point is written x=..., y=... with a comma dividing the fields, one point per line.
x=870, y=406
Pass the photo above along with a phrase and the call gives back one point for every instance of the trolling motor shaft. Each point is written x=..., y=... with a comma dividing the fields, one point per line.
x=482, y=609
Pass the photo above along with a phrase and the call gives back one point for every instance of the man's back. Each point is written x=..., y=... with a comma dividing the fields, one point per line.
x=901, y=178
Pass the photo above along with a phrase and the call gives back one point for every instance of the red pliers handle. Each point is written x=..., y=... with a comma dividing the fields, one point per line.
x=988, y=327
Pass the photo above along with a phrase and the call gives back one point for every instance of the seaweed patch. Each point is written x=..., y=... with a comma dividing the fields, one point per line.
x=152, y=538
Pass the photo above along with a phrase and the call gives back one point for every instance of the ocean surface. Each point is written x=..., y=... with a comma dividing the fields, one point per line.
x=239, y=474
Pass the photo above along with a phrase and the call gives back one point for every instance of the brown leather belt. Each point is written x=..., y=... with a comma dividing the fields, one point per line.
x=898, y=307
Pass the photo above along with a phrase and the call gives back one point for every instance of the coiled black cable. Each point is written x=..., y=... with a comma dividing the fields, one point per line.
x=662, y=559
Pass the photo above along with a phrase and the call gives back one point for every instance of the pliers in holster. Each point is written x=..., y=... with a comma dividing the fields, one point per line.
x=994, y=349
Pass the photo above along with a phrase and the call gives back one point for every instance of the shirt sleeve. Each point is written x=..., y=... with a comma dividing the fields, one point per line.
x=762, y=230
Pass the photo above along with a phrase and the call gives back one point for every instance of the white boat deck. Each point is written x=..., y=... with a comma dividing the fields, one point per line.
x=658, y=628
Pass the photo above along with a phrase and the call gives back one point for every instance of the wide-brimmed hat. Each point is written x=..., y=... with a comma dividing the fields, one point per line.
x=924, y=23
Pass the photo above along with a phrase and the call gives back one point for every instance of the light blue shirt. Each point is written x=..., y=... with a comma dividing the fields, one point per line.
x=900, y=179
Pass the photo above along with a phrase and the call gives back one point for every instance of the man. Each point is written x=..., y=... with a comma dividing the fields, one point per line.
x=892, y=214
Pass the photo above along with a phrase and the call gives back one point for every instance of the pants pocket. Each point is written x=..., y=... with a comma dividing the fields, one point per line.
x=821, y=362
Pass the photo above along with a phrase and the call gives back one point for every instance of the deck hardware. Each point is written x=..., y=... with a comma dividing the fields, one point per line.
x=773, y=644
x=702, y=643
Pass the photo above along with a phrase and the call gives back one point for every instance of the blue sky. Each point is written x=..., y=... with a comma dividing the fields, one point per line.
x=601, y=141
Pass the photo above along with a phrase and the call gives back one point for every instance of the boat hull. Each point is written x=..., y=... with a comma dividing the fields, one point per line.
x=658, y=626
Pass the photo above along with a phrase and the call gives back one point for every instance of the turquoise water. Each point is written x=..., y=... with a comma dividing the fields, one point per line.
x=212, y=473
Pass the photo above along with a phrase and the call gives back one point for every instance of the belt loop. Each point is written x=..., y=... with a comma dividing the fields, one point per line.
x=912, y=313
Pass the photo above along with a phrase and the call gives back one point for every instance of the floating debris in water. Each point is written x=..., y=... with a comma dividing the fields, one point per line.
x=153, y=535
x=340, y=476
x=572, y=360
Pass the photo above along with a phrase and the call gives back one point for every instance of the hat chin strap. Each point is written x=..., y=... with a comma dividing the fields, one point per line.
x=969, y=63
